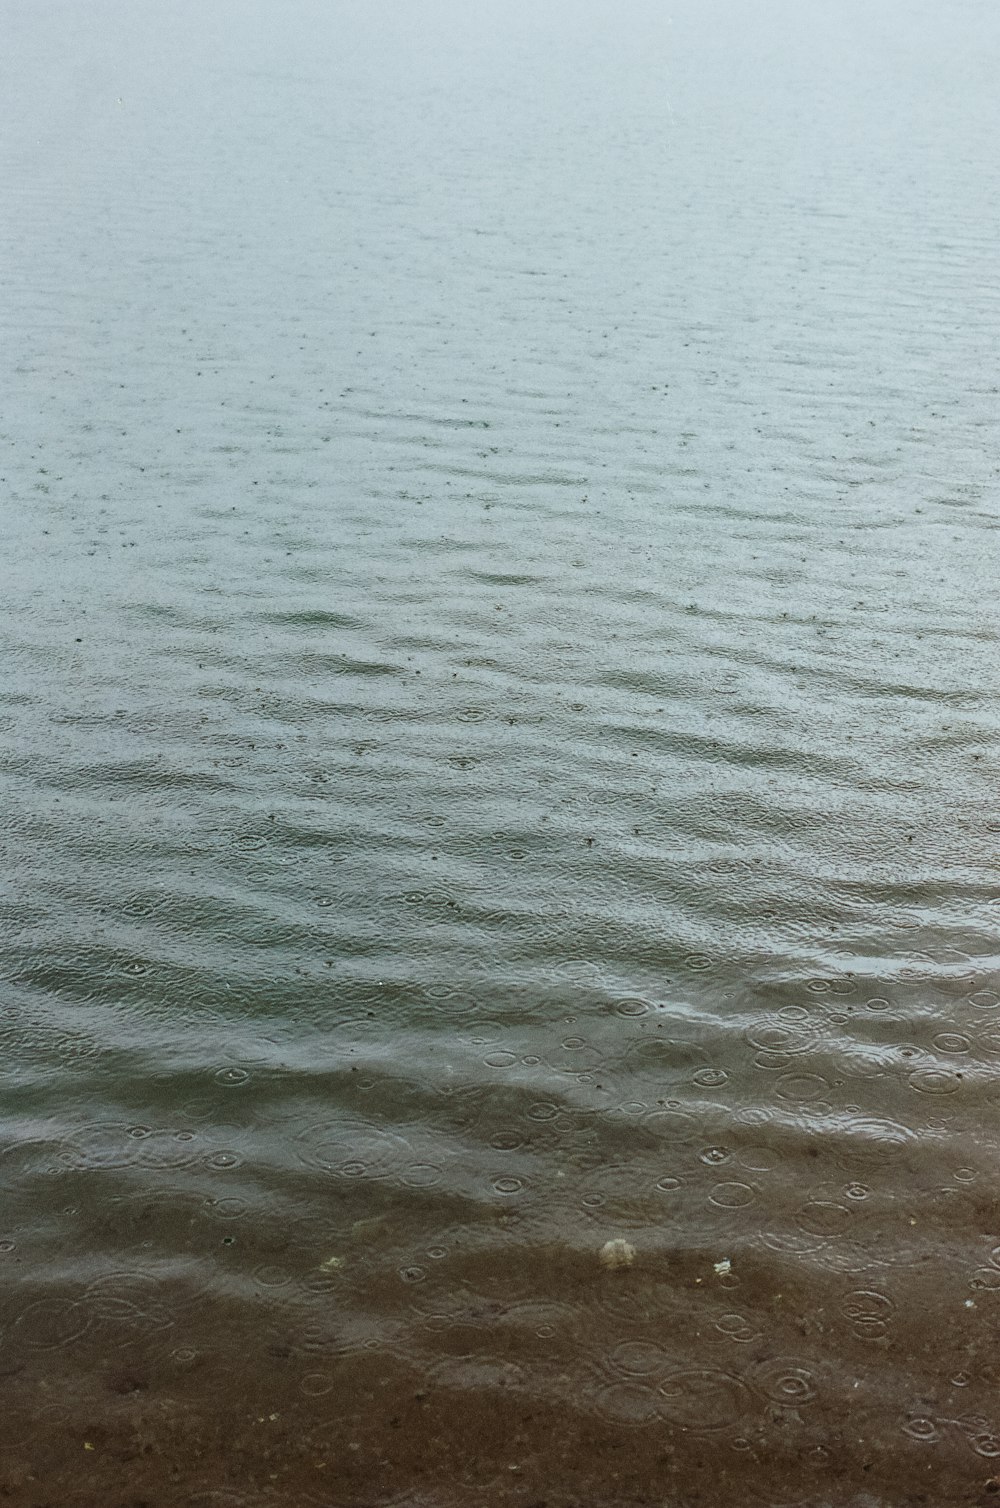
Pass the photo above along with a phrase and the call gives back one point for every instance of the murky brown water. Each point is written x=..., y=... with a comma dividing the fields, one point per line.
x=500, y=750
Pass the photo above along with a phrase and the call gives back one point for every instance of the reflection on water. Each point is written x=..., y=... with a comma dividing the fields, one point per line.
x=502, y=997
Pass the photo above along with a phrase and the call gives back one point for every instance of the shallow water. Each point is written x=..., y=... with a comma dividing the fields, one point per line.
x=499, y=754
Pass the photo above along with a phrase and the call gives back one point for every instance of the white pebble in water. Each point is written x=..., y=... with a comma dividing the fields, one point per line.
x=617, y=1254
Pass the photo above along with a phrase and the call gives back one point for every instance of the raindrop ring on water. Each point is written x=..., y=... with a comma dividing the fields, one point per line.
x=231, y=1078
x=786, y=1381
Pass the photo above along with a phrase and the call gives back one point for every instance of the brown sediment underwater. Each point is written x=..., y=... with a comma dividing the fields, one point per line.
x=421, y=1309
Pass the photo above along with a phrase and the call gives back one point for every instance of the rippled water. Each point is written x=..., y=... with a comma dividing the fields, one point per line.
x=499, y=767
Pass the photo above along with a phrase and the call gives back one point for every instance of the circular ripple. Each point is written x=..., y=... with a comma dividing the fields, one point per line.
x=637, y=1358
x=703, y=1400
x=732, y=1196
x=227, y=1209
x=223, y=1161
x=922, y=1429
x=737, y=1327
x=132, y=1300
x=51, y=1323
x=152, y=1215
x=790, y=1243
x=935, y=1081
x=272, y=1275
x=877, y=1140
x=952, y=1042
x=773, y=1062
x=786, y=1381
x=710, y=1078
x=422, y=1175
x=822, y=1217
x=671, y=1125
x=26, y=1161
x=508, y=1185
x=249, y=842
x=984, y=1440
x=231, y=1077
x=632, y=1006
x=758, y=1159
x=779, y=1037
x=352, y=1149
x=754, y=1116
x=76, y=1049
x=545, y=1319
x=616, y=1197
x=713, y=1156
x=575, y=1060
x=105, y=1144
x=800, y=1088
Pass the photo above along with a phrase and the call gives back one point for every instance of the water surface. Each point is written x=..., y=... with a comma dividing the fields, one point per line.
x=499, y=754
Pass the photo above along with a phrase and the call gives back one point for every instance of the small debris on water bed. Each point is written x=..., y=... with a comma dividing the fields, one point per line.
x=615, y=1255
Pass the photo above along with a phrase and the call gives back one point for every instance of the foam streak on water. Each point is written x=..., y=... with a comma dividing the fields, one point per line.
x=499, y=753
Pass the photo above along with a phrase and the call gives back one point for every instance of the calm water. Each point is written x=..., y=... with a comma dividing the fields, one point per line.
x=500, y=754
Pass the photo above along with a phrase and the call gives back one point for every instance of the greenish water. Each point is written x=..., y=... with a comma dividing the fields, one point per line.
x=499, y=753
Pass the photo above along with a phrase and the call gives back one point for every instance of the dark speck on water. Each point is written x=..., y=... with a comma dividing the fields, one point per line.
x=499, y=754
